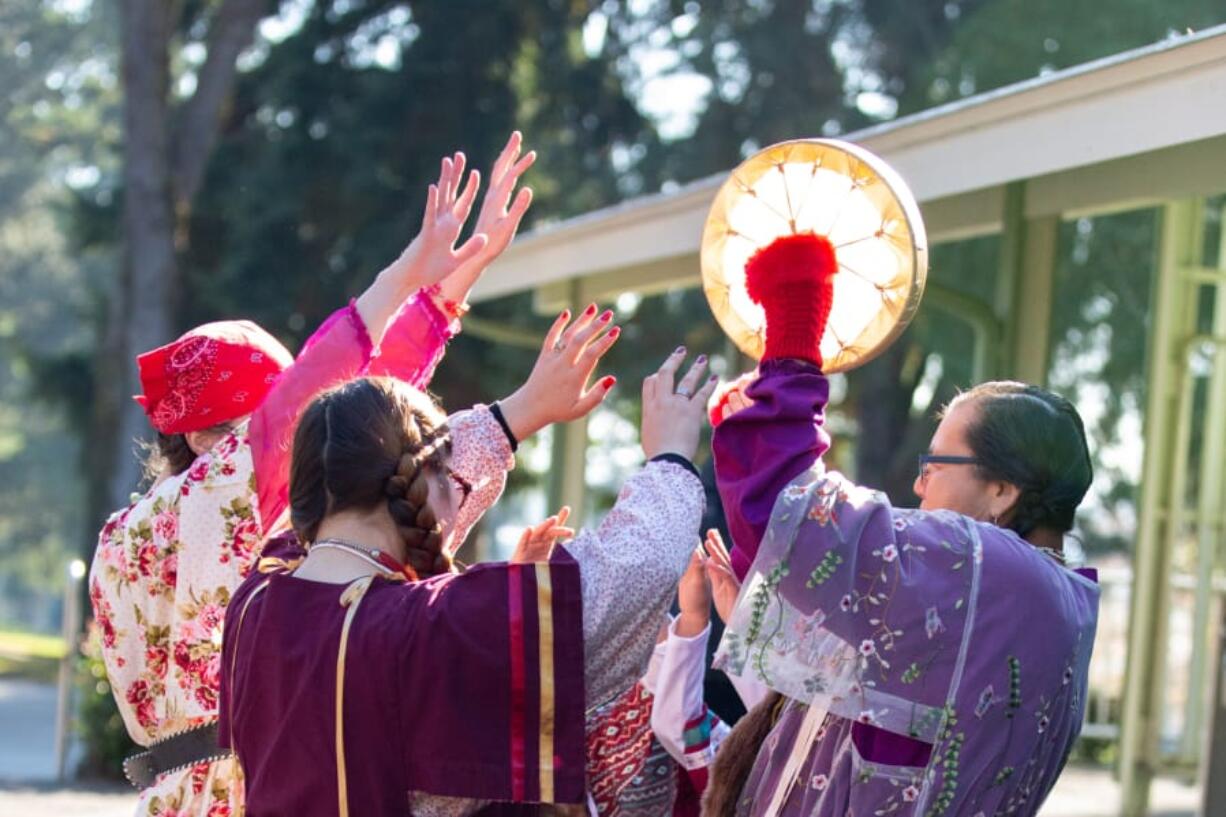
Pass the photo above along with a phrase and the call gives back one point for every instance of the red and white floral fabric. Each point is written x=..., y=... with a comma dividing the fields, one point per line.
x=166, y=565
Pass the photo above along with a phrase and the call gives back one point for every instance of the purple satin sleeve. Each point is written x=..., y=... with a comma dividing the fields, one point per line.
x=759, y=450
x=414, y=342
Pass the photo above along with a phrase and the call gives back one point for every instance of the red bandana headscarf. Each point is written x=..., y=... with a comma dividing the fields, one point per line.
x=214, y=373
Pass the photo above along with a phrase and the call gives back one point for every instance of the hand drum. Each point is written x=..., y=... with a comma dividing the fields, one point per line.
x=837, y=190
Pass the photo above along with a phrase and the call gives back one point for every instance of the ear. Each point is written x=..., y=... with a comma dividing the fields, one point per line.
x=1002, y=498
x=200, y=441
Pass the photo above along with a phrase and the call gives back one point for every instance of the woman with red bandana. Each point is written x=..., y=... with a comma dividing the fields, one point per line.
x=224, y=399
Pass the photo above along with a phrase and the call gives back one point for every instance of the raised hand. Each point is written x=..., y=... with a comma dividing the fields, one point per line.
x=694, y=597
x=672, y=417
x=433, y=253
x=556, y=391
x=537, y=542
x=499, y=217
x=725, y=586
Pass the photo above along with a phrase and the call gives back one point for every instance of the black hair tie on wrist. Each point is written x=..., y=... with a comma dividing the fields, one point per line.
x=496, y=410
x=676, y=459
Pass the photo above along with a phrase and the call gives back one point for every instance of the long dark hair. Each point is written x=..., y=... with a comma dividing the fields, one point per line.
x=372, y=440
x=1034, y=439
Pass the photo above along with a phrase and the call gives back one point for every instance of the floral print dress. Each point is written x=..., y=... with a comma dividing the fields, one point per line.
x=166, y=566
x=933, y=665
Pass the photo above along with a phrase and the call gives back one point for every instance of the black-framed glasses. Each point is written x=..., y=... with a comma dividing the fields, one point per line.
x=942, y=459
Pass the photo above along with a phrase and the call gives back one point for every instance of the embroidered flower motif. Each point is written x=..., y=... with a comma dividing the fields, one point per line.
x=889, y=553
x=986, y=699
x=820, y=782
x=845, y=603
x=933, y=625
x=909, y=794
x=868, y=717
x=868, y=647
x=1068, y=676
x=1044, y=722
x=900, y=523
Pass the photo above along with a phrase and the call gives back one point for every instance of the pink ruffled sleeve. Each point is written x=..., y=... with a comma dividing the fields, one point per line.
x=414, y=342
x=338, y=351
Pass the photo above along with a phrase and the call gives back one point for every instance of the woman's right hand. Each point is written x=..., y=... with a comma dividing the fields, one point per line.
x=556, y=391
x=672, y=416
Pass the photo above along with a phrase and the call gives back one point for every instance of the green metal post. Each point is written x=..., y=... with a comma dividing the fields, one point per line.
x=1011, y=272
x=1159, y=498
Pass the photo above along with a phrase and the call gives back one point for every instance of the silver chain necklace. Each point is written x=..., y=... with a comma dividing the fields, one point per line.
x=368, y=554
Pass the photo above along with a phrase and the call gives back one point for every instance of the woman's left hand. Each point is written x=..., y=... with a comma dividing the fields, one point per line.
x=725, y=586
x=498, y=220
x=556, y=391
x=537, y=542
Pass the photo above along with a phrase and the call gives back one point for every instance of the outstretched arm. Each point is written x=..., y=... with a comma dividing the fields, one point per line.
x=341, y=348
x=761, y=448
x=414, y=342
x=764, y=446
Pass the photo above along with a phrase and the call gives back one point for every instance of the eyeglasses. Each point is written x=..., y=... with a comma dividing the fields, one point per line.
x=466, y=487
x=942, y=459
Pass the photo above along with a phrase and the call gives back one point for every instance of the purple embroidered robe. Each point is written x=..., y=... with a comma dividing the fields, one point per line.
x=425, y=706
x=933, y=665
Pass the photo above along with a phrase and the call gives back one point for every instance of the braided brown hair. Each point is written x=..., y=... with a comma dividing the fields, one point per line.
x=372, y=440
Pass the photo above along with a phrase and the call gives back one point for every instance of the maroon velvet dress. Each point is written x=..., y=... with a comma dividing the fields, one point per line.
x=381, y=690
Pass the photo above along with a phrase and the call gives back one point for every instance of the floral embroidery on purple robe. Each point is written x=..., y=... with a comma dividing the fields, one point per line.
x=949, y=657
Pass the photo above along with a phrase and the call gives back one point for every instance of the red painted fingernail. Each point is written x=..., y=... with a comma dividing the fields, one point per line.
x=609, y=382
x=591, y=310
x=608, y=314
x=565, y=314
x=615, y=331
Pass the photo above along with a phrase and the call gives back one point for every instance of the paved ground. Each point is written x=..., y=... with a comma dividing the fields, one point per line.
x=27, y=769
x=27, y=731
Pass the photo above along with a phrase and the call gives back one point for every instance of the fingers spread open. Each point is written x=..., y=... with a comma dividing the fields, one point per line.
x=708, y=388
x=458, y=161
x=586, y=335
x=509, y=151
x=582, y=322
x=523, y=200
x=555, y=331
x=716, y=549
x=445, y=182
x=594, y=396
x=522, y=165
x=431, y=206
x=689, y=383
x=596, y=349
x=469, y=249
x=465, y=203
x=667, y=370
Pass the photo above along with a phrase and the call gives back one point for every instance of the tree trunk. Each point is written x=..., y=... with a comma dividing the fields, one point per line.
x=163, y=169
x=148, y=274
